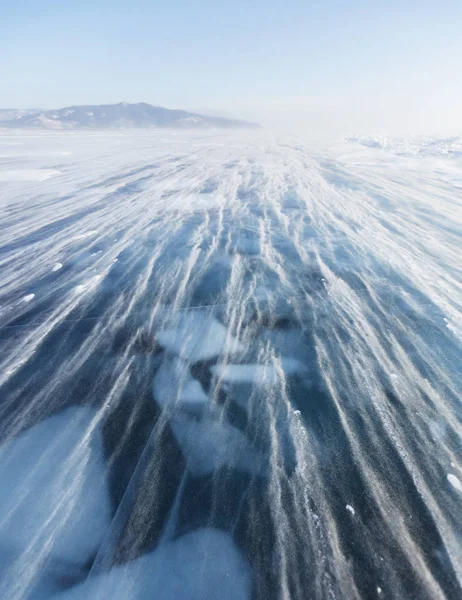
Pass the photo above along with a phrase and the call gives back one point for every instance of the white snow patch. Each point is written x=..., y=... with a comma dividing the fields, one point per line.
x=257, y=374
x=455, y=482
x=197, y=336
x=28, y=174
x=54, y=501
x=350, y=509
x=83, y=287
x=28, y=298
x=82, y=236
x=57, y=266
x=202, y=565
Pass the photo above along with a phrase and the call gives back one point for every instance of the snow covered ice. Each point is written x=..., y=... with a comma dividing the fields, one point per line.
x=54, y=505
x=197, y=336
x=209, y=444
x=258, y=374
x=230, y=367
x=202, y=565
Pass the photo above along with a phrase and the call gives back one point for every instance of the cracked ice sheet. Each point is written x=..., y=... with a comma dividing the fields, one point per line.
x=198, y=336
x=202, y=565
x=50, y=525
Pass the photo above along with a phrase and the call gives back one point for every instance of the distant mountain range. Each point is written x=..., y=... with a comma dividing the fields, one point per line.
x=115, y=116
x=8, y=114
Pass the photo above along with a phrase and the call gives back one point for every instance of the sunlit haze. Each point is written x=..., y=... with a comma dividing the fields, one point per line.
x=322, y=67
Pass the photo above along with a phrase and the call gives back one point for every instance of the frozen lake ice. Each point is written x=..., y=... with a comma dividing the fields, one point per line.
x=230, y=366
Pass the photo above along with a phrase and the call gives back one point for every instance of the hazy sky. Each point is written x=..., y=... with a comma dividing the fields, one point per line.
x=365, y=65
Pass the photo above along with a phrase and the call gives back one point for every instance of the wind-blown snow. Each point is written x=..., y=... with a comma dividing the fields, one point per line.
x=423, y=146
x=229, y=362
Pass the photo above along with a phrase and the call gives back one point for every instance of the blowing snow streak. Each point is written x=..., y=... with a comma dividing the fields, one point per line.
x=230, y=368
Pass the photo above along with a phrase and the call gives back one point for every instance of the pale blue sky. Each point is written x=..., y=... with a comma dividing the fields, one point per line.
x=277, y=59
